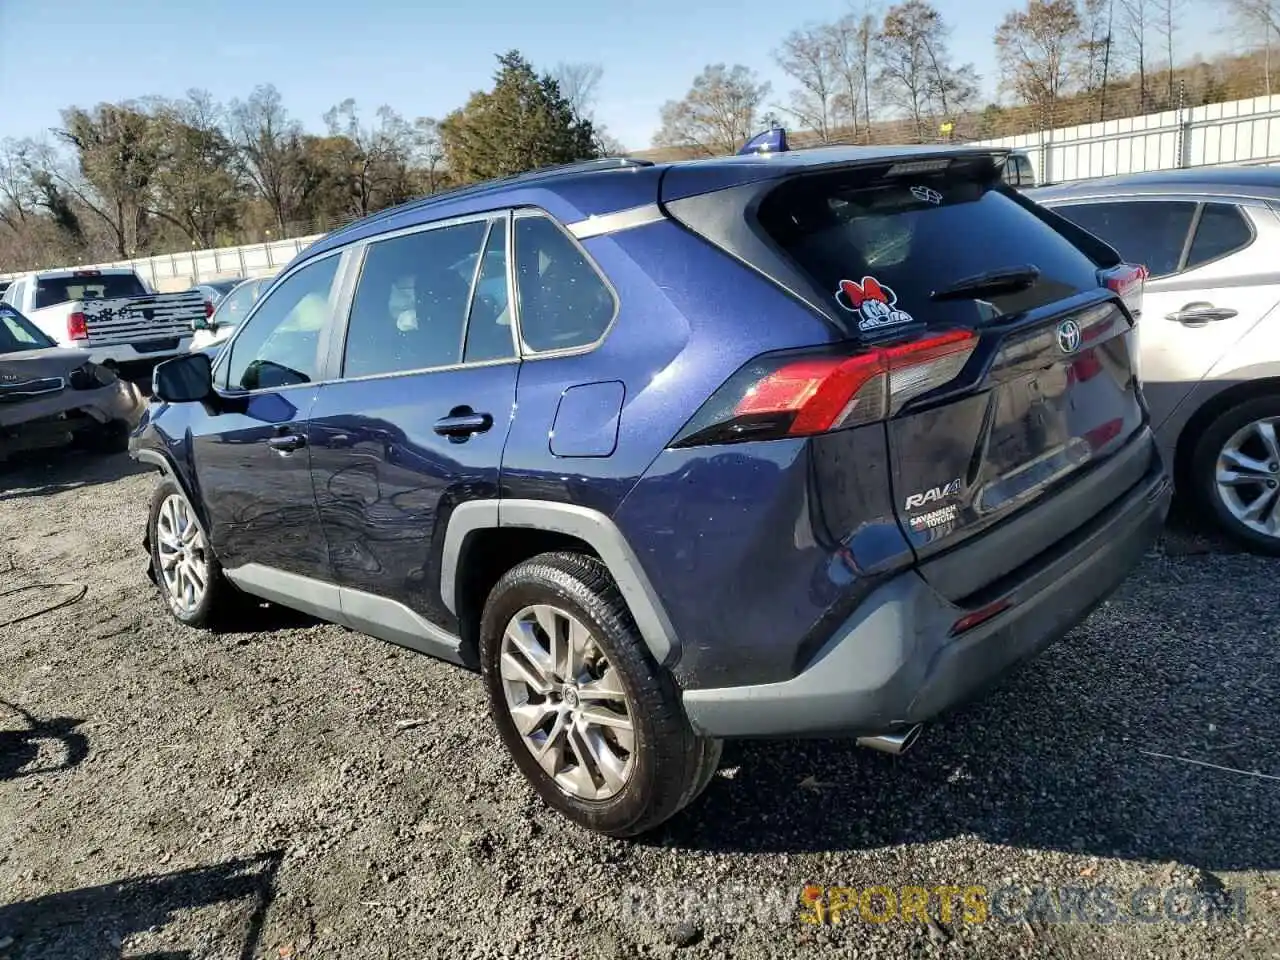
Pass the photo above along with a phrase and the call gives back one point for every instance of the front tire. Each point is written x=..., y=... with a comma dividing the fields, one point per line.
x=187, y=573
x=593, y=723
x=1235, y=473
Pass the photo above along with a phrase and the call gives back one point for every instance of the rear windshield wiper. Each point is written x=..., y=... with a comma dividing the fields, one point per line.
x=1005, y=280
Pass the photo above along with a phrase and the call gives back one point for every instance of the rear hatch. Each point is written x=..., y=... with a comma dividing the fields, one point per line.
x=1043, y=382
x=148, y=323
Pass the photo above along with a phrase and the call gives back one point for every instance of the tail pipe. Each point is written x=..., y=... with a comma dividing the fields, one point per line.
x=894, y=743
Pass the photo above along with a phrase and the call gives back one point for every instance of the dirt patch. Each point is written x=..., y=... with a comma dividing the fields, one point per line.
x=169, y=793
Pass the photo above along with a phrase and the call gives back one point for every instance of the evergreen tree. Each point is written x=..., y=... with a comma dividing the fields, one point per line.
x=524, y=123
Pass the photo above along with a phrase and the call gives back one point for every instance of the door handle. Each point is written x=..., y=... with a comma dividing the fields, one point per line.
x=287, y=443
x=461, y=423
x=1198, y=314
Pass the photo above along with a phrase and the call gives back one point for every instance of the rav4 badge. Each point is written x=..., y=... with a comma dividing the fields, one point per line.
x=933, y=494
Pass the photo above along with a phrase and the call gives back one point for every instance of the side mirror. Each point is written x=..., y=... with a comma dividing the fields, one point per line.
x=183, y=379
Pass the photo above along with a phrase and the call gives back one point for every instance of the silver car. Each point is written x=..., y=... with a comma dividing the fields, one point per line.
x=231, y=309
x=1209, y=333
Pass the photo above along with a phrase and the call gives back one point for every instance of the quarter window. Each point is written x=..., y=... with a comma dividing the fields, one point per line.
x=1150, y=232
x=280, y=343
x=1222, y=229
x=563, y=301
x=411, y=303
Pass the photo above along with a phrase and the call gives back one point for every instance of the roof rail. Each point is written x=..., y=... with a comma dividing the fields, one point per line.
x=528, y=176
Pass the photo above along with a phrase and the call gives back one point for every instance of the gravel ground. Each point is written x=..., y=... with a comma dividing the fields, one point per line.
x=301, y=790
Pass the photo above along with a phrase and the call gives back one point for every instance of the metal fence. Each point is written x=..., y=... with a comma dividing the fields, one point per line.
x=1236, y=132
x=169, y=272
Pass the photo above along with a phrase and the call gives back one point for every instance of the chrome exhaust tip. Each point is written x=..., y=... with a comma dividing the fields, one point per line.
x=894, y=743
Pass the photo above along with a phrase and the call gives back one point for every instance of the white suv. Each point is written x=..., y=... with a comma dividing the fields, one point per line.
x=1209, y=332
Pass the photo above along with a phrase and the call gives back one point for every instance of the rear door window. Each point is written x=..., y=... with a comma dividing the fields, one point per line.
x=50, y=291
x=880, y=249
x=1222, y=229
x=1150, y=232
x=411, y=304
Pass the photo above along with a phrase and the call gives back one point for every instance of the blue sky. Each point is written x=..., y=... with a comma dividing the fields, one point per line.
x=422, y=58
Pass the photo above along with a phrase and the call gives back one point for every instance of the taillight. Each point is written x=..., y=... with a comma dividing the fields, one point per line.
x=208, y=309
x=796, y=395
x=76, y=327
x=1127, y=280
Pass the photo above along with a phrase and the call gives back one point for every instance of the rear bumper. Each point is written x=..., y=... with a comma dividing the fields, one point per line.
x=895, y=663
x=120, y=354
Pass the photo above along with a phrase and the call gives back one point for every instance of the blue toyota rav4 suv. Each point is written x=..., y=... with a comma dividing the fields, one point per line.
x=811, y=444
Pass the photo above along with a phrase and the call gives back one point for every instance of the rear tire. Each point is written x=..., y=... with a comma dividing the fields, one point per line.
x=1232, y=475
x=589, y=717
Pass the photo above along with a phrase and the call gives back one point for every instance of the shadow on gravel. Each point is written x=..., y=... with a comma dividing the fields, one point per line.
x=21, y=750
x=57, y=471
x=91, y=923
x=259, y=616
x=1059, y=758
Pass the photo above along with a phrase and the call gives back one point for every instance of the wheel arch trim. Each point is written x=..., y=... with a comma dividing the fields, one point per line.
x=157, y=459
x=591, y=527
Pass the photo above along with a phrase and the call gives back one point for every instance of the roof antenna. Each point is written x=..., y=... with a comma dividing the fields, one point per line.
x=773, y=140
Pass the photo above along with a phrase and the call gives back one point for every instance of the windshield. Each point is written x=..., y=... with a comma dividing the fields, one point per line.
x=18, y=333
x=50, y=291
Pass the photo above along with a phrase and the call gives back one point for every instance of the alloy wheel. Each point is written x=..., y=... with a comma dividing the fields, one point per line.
x=567, y=702
x=184, y=561
x=1248, y=476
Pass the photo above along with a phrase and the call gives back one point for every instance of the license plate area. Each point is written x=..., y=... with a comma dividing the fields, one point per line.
x=156, y=346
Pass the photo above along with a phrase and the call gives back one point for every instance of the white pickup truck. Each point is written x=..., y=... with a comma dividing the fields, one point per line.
x=110, y=313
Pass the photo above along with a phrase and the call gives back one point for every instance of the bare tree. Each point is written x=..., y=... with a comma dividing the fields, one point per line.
x=1168, y=12
x=915, y=69
x=851, y=39
x=428, y=153
x=1095, y=39
x=268, y=140
x=1135, y=25
x=717, y=114
x=809, y=57
x=1036, y=48
x=578, y=84
x=1258, y=18
x=18, y=195
x=376, y=157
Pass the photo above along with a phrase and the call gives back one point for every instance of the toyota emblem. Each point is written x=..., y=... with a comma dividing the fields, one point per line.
x=1068, y=336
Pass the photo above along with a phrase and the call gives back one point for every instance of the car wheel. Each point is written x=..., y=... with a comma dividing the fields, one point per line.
x=588, y=716
x=1236, y=473
x=186, y=571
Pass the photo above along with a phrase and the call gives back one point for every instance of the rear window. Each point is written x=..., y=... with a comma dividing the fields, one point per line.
x=880, y=249
x=50, y=291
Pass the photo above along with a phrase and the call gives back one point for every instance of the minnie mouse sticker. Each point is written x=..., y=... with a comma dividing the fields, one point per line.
x=873, y=302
